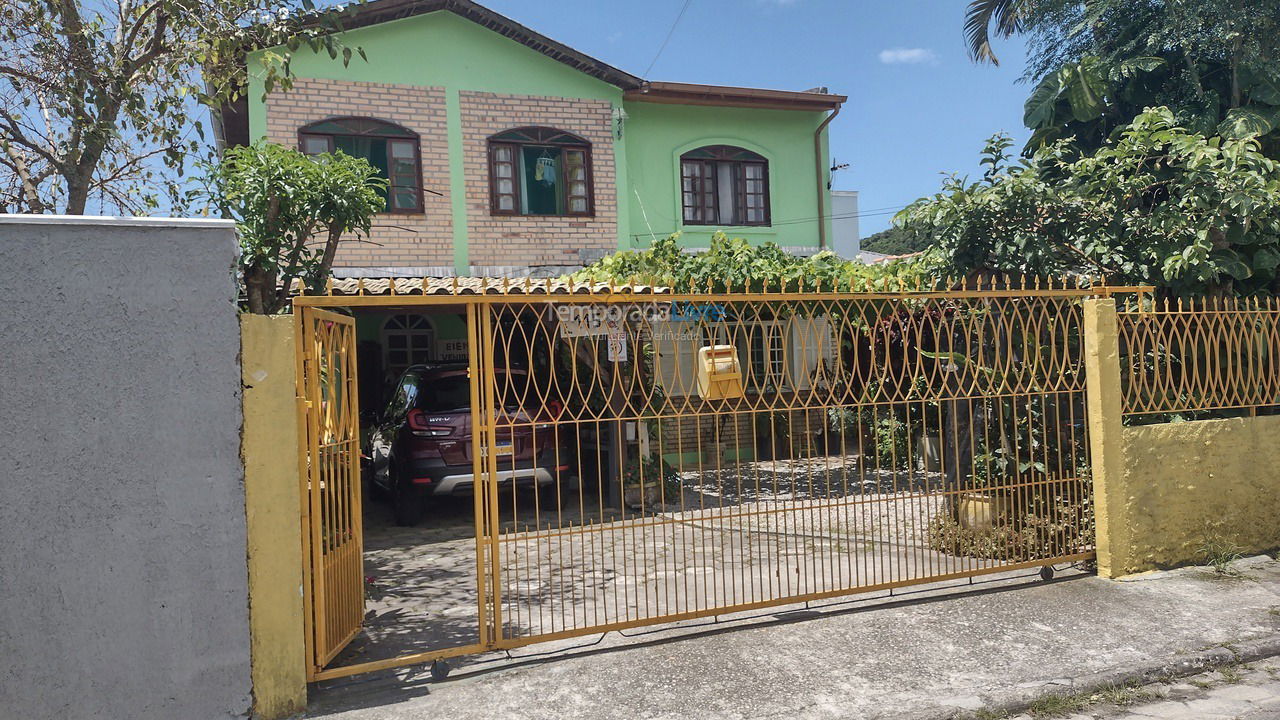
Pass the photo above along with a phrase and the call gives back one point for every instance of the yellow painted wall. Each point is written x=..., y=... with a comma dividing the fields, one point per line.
x=1161, y=491
x=1186, y=482
x=270, y=450
x=1102, y=401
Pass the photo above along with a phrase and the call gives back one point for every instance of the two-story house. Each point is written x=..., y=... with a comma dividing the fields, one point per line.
x=508, y=153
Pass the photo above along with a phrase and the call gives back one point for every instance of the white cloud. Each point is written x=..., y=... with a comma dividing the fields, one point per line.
x=913, y=56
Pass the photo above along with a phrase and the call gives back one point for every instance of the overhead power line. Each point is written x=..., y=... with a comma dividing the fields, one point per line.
x=666, y=40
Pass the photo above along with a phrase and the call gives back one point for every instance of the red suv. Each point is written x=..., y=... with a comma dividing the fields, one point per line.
x=421, y=444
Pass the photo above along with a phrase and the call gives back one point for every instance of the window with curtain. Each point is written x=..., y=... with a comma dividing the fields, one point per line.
x=392, y=149
x=724, y=185
x=539, y=171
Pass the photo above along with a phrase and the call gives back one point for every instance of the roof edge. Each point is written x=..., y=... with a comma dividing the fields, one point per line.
x=377, y=12
x=732, y=96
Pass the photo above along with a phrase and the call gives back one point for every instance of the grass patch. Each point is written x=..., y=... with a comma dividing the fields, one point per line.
x=1218, y=553
x=1063, y=704
x=1126, y=695
x=1230, y=675
x=1052, y=706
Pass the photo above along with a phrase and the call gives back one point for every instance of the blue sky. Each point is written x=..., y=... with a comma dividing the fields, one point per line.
x=917, y=107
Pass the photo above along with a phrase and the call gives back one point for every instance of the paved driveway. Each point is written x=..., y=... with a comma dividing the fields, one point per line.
x=932, y=653
x=730, y=538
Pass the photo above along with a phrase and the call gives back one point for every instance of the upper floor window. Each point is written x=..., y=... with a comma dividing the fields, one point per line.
x=539, y=171
x=393, y=150
x=724, y=185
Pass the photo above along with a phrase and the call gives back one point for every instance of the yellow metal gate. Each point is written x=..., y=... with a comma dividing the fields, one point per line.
x=703, y=455
x=330, y=472
x=641, y=459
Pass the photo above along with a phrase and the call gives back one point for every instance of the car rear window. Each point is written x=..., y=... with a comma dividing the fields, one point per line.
x=452, y=393
x=445, y=394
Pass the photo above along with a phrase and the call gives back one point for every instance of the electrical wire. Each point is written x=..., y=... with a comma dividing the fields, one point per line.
x=668, y=38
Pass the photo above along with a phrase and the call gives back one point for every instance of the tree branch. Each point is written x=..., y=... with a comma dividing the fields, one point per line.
x=24, y=176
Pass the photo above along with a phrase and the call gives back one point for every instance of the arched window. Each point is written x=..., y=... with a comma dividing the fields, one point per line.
x=392, y=149
x=724, y=185
x=407, y=340
x=539, y=171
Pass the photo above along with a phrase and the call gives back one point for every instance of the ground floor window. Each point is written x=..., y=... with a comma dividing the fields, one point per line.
x=407, y=340
x=761, y=349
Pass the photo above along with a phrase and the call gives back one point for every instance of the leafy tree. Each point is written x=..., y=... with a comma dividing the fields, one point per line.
x=894, y=241
x=1100, y=63
x=292, y=210
x=1157, y=204
x=100, y=100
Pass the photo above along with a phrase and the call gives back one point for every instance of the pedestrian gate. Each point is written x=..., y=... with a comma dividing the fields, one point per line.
x=330, y=472
x=854, y=441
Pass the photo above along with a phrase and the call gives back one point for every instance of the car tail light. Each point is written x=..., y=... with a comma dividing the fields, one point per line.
x=419, y=426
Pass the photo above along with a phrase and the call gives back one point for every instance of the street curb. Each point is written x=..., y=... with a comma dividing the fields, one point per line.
x=1142, y=674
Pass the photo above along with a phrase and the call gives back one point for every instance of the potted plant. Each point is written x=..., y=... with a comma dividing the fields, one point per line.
x=986, y=505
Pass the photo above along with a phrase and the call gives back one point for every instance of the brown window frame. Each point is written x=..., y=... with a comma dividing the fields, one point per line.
x=373, y=127
x=515, y=139
x=711, y=158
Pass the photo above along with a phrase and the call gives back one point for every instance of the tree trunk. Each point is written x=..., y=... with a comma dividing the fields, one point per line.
x=77, y=193
x=260, y=291
x=326, y=258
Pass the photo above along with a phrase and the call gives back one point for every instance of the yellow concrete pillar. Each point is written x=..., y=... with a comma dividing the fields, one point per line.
x=270, y=450
x=1106, y=434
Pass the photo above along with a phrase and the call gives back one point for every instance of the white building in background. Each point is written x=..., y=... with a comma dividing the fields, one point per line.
x=845, y=238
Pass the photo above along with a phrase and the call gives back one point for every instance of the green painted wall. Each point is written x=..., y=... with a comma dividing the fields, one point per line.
x=656, y=135
x=443, y=50
x=439, y=49
x=448, y=325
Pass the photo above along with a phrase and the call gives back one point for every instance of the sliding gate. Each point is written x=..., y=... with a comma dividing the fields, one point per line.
x=650, y=458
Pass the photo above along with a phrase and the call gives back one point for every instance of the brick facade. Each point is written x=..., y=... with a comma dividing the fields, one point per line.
x=502, y=241
x=419, y=240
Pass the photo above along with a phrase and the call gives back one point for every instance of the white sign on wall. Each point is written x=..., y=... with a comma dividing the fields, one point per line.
x=451, y=350
x=617, y=345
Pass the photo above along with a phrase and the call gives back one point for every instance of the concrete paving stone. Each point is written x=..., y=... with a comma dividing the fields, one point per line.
x=1168, y=708
x=922, y=654
x=1242, y=693
x=1216, y=704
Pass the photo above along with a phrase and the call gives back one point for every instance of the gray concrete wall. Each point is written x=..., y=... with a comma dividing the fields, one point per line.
x=122, y=530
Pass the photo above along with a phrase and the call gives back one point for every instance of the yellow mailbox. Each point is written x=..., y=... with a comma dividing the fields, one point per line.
x=719, y=377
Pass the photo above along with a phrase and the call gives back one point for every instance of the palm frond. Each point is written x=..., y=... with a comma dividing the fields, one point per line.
x=984, y=16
